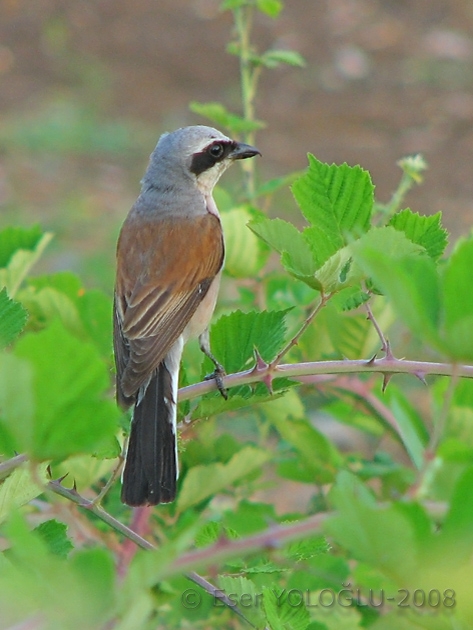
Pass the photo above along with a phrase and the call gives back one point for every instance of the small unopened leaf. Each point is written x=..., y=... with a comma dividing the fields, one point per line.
x=12, y=319
x=273, y=58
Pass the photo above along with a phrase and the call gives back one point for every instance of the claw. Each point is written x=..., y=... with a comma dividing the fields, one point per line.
x=217, y=376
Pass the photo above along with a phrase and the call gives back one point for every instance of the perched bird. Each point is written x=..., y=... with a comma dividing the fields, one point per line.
x=170, y=255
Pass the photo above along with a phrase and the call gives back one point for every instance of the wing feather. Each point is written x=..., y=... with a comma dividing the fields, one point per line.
x=165, y=268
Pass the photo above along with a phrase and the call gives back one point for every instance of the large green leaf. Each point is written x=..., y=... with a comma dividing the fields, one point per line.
x=407, y=277
x=456, y=285
x=14, y=238
x=386, y=537
x=71, y=414
x=202, y=482
x=235, y=337
x=337, y=201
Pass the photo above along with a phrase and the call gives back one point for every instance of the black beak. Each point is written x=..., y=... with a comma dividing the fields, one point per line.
x=243, y=151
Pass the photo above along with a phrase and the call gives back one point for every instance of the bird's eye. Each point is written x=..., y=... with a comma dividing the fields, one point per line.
x=216, y=150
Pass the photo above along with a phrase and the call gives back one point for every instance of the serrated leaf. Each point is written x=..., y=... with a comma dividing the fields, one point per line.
x=270, y=7
x=426, y=231
x=54, y=534
x=285, y=238
x=274, y=58
x=282, y=613
x=238, y=398
x=246, y=595
x=234, y=337
x=12, y=319
x=220, y=116
x=307, y=548
x=202, y=482
x=69, y=383
x=337, y=201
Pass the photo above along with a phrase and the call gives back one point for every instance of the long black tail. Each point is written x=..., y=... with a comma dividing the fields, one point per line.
x=150, y=471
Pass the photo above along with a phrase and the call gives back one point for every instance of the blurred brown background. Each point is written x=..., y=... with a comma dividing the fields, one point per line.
x=86, y=87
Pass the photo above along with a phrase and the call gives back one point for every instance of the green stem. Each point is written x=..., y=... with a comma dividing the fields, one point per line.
x=243, y=17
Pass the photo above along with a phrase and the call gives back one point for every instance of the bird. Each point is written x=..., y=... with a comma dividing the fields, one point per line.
x=170, y=254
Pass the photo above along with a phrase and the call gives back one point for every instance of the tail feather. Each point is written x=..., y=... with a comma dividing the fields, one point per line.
x=151, y=470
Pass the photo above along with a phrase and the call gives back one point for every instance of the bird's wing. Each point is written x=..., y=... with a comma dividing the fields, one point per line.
x=165, y=268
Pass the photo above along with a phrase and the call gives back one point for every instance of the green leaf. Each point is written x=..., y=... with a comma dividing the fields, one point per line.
x=220, y=116
x=69, y=384
x=17, y=403
x=20, y=487
x=229, y=5
x=426, y=231
x=286, y=239
x=414, y=289
x=14, y=238
x=458, y=301
x=457, y=530
x=282, y=613
x=12, y=319
x=414, y=435
x=54, y=534
x=388, y=537
x=95, y=308
x=234, y=337
x=249, y=517
x=337, y=201
x=273, y=58
x=246, y=595
x=317, y=456
x=21, y=260
x=245, y=254
x=202, y=482
x=270, y=7
x=272, y=185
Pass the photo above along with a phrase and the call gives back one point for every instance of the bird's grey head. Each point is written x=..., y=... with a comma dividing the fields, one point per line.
x=195, y=155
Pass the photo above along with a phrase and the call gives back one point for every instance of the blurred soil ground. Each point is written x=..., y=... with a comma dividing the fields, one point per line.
x=384, y=78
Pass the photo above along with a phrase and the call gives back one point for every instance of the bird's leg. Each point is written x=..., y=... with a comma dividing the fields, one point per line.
x=219, y=373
